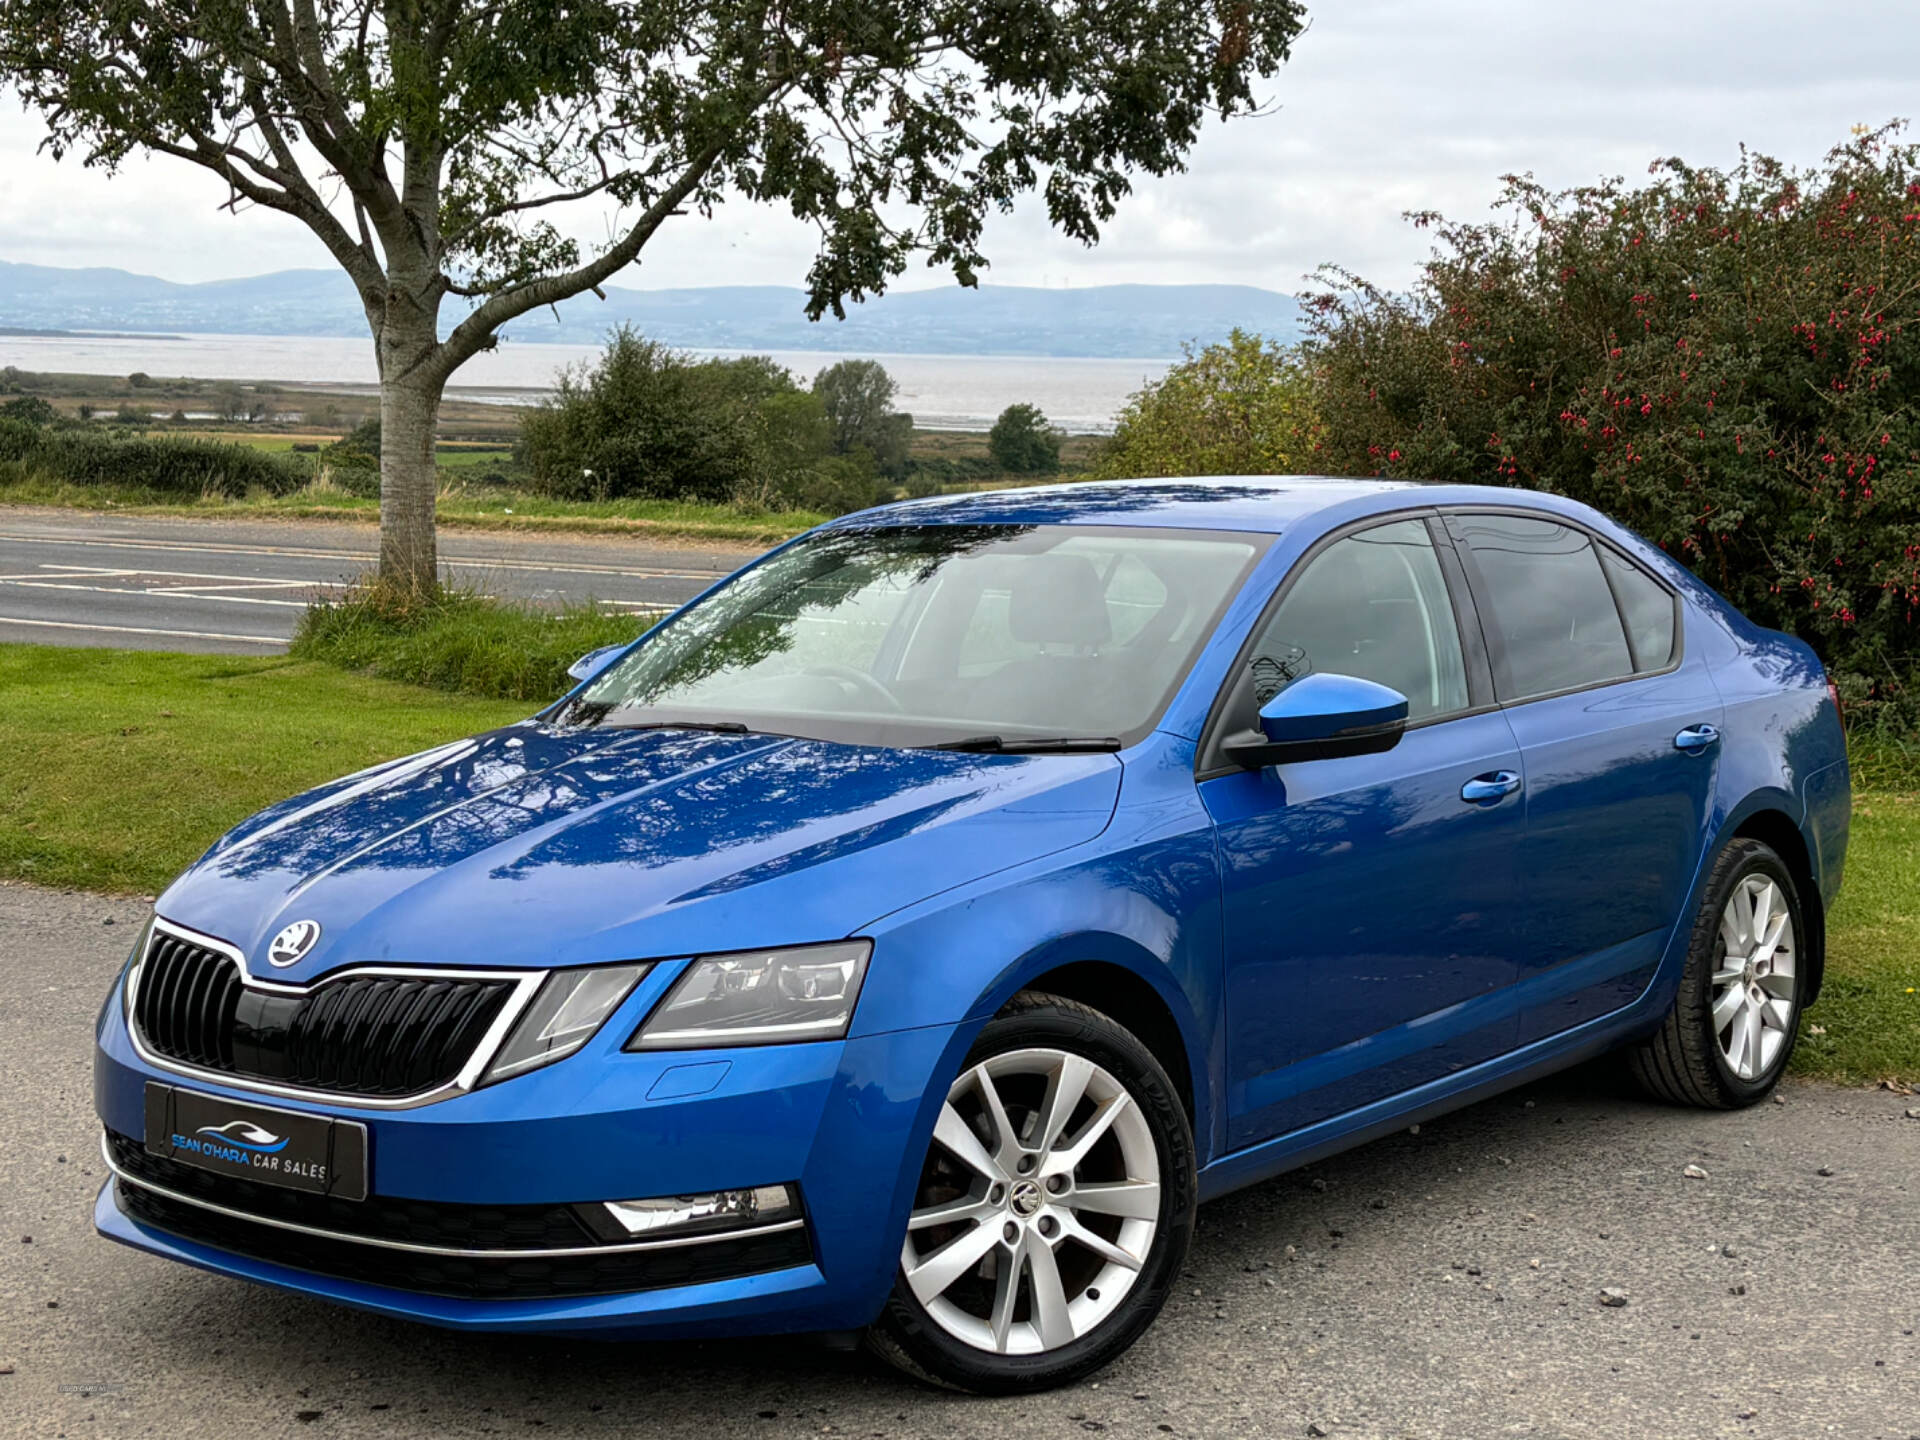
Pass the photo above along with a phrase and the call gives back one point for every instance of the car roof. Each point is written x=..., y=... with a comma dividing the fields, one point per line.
x=1264, y=504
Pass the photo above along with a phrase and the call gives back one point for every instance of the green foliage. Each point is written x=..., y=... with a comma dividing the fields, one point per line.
x=359, y=446
x=1243, y=407
x=459, y=641
x=157, y=467
x=858, y=396
x=1728, y=362
x=29, y=410
x=644, y=422
x=1023, y=443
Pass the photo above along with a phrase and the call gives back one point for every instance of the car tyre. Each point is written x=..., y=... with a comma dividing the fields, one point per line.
x=1050, y=1252
x=1731, y=1031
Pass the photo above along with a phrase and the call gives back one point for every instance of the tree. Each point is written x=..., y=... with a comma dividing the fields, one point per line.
x=429, y=145
x=1243, y=407
x=859, y=395
x=1023, y=442
x=1727, y=361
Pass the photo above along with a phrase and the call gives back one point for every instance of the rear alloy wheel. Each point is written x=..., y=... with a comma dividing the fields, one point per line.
x=1727, y=1040
x=1052, y=1212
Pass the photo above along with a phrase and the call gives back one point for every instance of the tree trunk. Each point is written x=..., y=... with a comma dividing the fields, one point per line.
x=409, y=417
x=406, y=339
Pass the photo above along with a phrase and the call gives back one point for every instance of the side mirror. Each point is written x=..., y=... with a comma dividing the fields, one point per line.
x=1322, y=717
x=593, y=662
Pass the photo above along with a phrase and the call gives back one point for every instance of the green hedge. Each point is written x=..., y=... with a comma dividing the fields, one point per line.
x=1729, y=362
x=162, y=466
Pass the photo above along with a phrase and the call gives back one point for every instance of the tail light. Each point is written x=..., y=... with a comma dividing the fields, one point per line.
x=1833, y=694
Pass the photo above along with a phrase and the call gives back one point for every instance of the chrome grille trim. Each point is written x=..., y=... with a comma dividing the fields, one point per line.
x=525, y=983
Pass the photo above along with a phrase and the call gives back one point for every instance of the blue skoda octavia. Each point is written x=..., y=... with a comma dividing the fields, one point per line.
x=908, y=933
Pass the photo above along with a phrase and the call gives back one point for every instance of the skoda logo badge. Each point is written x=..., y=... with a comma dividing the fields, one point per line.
x=292, y=943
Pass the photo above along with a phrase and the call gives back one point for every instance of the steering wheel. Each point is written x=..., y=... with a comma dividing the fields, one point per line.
x=860, y=680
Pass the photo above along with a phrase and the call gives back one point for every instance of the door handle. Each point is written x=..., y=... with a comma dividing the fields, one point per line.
x=1696, y=738
x=1490, y=789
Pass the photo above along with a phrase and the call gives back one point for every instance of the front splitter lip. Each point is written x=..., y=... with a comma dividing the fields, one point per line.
x=793, y=1299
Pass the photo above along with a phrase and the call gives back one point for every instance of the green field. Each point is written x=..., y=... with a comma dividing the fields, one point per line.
x=130, y=763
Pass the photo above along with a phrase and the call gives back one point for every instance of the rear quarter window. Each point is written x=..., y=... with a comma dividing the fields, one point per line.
x=1551, y=602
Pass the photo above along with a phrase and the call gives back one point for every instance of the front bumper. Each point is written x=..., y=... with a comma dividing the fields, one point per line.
x=846, y=1120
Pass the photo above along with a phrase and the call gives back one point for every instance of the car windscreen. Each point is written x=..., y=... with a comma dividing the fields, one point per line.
x=937, y=634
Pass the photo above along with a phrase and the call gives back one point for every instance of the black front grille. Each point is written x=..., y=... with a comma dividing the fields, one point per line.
x=361, y=1035
x=479, y=1227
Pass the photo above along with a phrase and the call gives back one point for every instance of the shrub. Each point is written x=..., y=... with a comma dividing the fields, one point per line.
x=29, y=410
x=359, y=446
x=643, y=422
x=460, y=641
x=164, y=467
x=1243, y=407
x=1729, y=362
x=1022, y=442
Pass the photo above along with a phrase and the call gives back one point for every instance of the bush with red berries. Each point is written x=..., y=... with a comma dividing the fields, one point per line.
x=1728, y=362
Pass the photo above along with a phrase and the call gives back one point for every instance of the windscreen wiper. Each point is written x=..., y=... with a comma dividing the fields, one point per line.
x=1047, y=744
x=717, y=727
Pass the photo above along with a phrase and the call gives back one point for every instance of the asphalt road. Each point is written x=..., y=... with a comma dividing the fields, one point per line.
x=1438, y=1284
x=238, y=586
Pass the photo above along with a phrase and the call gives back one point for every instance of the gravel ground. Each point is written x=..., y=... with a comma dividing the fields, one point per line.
x=1445, y=1283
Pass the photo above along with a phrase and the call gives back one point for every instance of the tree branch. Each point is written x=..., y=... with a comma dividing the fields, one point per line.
x=297, y=200
x=470, y=336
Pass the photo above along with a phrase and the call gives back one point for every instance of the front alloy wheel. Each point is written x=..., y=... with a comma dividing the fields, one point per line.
x=1053, y=1209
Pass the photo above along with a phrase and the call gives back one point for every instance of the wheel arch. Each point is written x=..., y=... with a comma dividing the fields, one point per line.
x=1773, y=827
x=1137, y=990
x=1128, y=1000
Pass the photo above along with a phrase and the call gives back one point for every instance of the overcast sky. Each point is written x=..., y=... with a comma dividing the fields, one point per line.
x=1387, y=106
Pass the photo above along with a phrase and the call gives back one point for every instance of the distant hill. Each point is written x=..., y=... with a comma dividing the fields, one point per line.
x=1127, y=321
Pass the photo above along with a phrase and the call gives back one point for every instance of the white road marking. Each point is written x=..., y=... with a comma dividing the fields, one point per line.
x=177, y=592
x=95, y=571
x=142, y=630
x=43, y=572
x=240, y=585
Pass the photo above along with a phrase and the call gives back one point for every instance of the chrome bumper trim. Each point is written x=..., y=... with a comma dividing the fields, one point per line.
x=350, y=1239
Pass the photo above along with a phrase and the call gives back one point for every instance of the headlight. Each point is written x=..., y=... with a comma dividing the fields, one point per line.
x=569, y=1007
x=760, y=997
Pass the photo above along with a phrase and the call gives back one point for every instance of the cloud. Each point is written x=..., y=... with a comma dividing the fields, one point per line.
x=1388, y=105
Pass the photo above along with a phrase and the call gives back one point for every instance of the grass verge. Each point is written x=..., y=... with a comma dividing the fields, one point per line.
x=127, y=764
x=1866, y=1025
x=667, y=520
x=461, y=642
